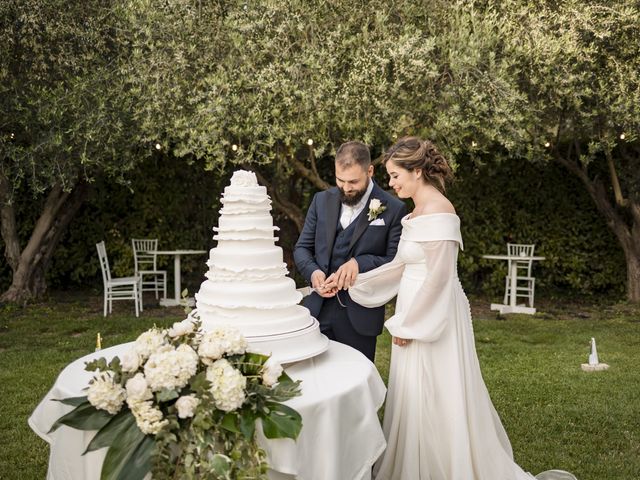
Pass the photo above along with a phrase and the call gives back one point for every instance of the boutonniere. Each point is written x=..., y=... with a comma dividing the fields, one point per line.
x=375, y=209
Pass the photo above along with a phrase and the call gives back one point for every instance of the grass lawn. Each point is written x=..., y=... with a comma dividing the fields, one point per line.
x=555, y=414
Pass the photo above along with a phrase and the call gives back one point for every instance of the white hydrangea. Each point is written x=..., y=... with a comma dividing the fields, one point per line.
x=220, y=340
x=137, y=389
x=227, y=385
x=271, y=372
x=105, y=394
x=149, y=342
x=148, y=418
x=179, y=329
x=171, y=369
x=244, y=178
x=130, y=361
x=186, y=406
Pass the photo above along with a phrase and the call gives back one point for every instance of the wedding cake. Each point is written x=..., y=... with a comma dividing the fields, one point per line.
x=247, y=284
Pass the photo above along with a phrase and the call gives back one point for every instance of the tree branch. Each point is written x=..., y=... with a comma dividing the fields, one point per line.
x=615, y=182
x=8, y=227
x=313, y=177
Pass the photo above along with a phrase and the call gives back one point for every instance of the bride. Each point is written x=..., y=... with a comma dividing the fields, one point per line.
x=439, y=421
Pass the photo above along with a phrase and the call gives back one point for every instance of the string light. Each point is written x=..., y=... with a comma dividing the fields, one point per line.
x=12, y=135
x=158, y=146
x=234, y=147
x=310, y=142
x=547, y=144
x=622, y=136
x=474, y=144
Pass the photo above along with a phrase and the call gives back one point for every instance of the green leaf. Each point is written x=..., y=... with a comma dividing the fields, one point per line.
x=281, y=421
x=220, y=465
x=121, y=463
x=73, y=401
x=248, y=423
x=97, y=364
x=84, y=417
x=108, y=434
x=230, y=422
x=166, y=395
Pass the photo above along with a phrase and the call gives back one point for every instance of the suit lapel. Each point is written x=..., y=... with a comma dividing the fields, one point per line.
x=363, y=220
x=332, y=207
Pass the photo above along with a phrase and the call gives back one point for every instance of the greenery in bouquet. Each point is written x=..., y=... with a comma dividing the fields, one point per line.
x=183, y=403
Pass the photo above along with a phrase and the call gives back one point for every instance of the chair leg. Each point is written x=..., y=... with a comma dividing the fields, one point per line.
x=140, y=296
x=136, y=299
x=164, y=285
x=533, y=289
x=104, y=301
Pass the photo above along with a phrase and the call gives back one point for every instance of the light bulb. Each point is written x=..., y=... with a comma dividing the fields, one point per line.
x=622, y=136
x=474, y=144
x=547, y=144
x=310, y=142
x=234, y=147
x=158, y=146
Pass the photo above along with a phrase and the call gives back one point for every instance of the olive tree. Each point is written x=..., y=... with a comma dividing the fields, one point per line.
x=64, y=119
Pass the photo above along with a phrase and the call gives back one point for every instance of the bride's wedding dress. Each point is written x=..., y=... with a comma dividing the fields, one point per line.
x=439, y=421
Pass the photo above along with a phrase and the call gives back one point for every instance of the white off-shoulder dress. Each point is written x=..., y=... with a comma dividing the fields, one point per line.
x=439, y=421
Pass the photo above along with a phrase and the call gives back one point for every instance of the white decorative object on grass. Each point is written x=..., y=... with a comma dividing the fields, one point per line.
x=247, y=284
x=594, y=364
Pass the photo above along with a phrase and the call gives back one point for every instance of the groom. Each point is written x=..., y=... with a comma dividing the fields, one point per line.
x=349, y=229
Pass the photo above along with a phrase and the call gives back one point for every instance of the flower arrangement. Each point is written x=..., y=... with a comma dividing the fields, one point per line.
x=183, y=403
x=375, y=208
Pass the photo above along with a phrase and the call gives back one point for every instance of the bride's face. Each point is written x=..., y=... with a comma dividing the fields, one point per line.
x=404, y=182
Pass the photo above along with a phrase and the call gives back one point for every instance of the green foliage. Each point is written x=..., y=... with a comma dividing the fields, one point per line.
x=520, y=202
x=66, y=114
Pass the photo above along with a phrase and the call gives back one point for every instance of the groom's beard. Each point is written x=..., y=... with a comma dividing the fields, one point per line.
x=355, y=197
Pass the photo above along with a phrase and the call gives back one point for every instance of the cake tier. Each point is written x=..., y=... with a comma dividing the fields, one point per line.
x=253, y=234
x=273, y=293
x=285, y=347
x=245, y=192
x=236, y=206
x=228, y=223
x=249, y=274
x=240, y=256
x=257, y=322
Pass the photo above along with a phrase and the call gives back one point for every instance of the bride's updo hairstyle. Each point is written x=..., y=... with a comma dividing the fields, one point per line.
x=412, y=153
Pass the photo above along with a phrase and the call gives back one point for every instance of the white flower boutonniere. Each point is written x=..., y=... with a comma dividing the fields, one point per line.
x=375, y=209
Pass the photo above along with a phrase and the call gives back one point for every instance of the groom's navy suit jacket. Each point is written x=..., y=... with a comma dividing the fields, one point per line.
x=370, y=245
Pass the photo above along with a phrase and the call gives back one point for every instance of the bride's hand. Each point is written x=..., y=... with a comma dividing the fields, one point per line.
x=346, y=274
x=401, y=342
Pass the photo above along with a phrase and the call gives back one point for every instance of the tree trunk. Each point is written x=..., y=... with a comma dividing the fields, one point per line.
x=626, y=231
x=30, y=265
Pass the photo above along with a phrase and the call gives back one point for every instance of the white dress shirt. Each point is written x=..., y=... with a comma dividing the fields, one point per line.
x=349, y=213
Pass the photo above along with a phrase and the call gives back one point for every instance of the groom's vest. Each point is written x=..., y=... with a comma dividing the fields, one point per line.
x=340, y=253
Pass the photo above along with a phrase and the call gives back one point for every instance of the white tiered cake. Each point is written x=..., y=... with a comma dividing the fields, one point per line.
x=247, y=284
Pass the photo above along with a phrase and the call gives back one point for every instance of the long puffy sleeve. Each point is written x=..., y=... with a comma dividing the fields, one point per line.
x=376, y=287
x=433, y=306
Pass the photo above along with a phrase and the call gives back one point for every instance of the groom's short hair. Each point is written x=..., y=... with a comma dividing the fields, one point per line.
x=353, y=153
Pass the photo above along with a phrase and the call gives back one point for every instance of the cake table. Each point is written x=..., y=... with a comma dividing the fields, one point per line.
x=341, y=436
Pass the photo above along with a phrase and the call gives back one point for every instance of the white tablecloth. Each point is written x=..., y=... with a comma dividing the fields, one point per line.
x=341, y=437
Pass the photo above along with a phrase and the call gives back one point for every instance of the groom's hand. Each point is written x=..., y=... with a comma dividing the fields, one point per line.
x=317, y=282
x=346, y=275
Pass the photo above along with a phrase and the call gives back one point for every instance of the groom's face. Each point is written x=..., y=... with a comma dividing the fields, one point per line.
x=352, y=181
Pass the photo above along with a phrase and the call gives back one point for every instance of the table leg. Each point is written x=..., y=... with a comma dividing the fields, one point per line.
x=513, y=273
x=175, y=301
x=176, y=278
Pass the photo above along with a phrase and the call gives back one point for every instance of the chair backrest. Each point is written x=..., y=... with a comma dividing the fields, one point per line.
x=104, y=262
x=523, y=267
x=144, y=253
